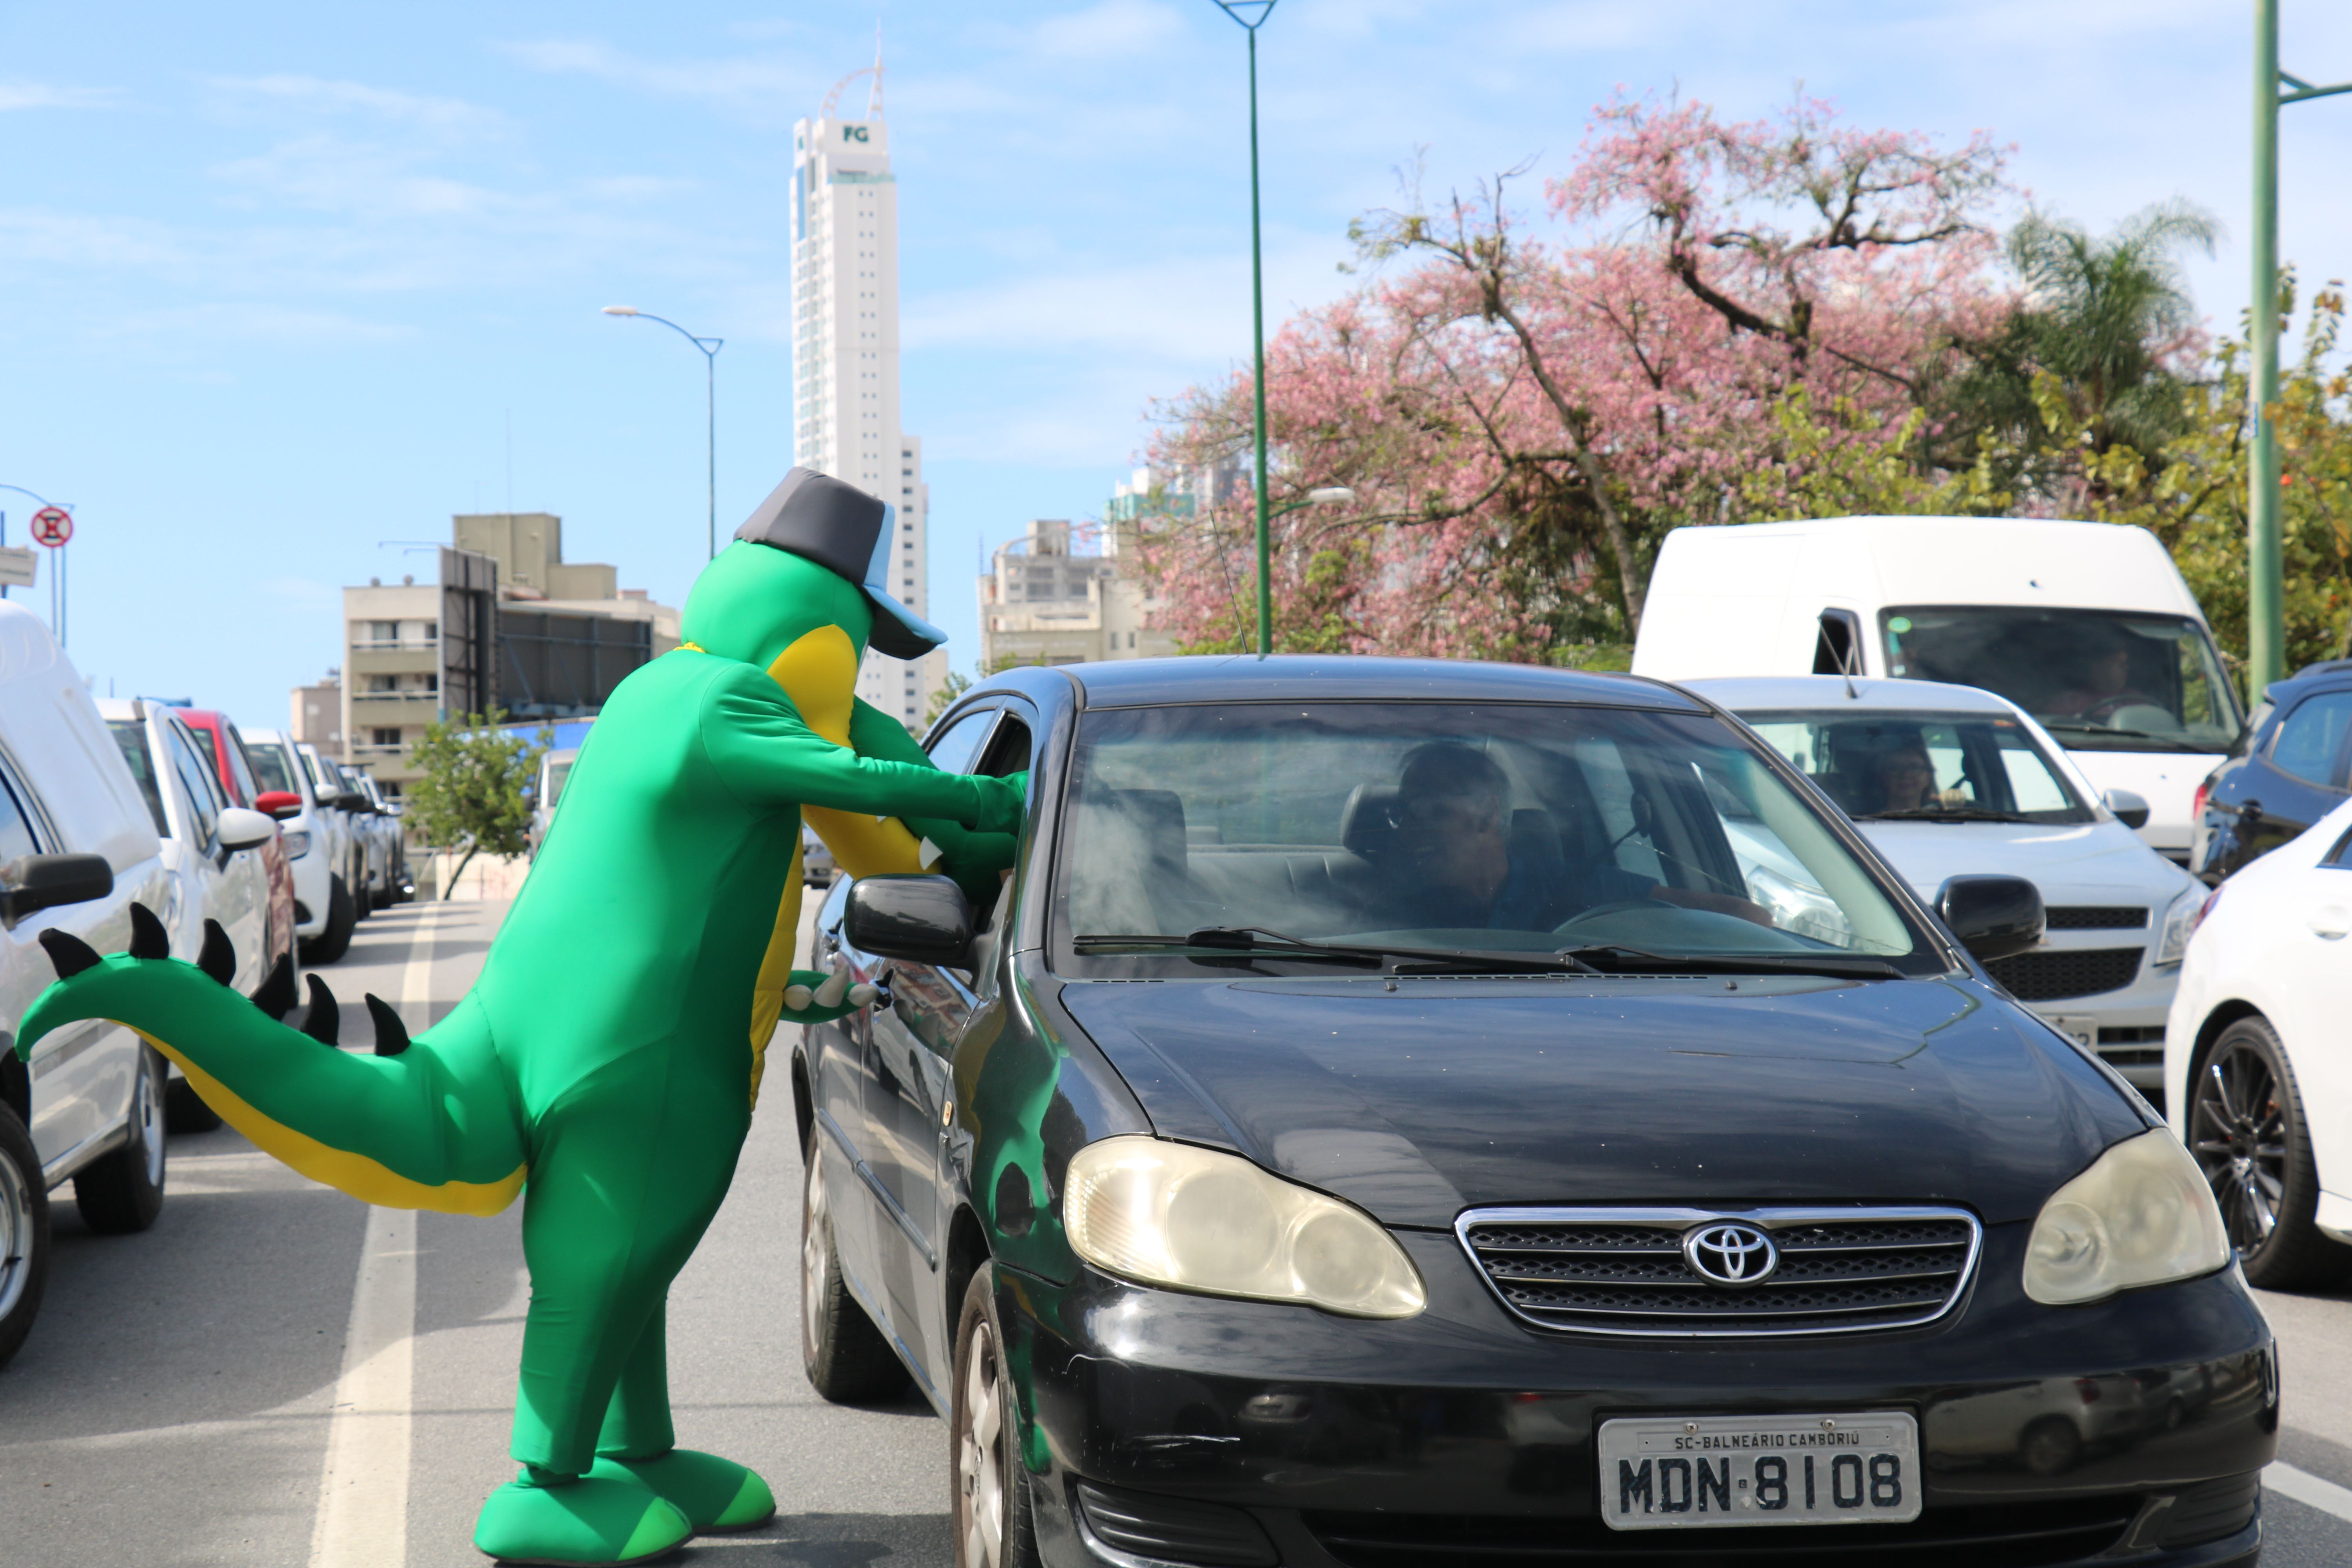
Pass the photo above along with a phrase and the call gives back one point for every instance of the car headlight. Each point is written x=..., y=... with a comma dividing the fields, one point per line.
x=1171, y=1214
x=2142, y=1215
x=2179, y=922
x=296, y=845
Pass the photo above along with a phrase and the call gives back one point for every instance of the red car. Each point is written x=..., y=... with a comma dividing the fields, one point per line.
x=237, y=777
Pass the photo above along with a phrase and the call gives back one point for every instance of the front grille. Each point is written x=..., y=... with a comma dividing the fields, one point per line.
x=2095, y=917
x=2053, y=975
x=1623, y=1271
x=2006, y=1535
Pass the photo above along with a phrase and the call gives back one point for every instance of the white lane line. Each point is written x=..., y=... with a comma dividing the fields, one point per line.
x=363, y=1494
x=2311, y=1491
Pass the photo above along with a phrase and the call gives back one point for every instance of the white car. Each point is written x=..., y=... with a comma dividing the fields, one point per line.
x=77, y=845
x=322, y=902
x=2256, y=1060
x=326, y=784
x=1990, y=791
x=554, y=767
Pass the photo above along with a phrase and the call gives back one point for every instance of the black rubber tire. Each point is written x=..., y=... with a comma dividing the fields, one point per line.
x=847, y=1358
x=24, y=1234
x=980, y=1339
x=184, y=1109
x=2281, y=1171
x=334, y=940
x=122, y=1192
x=363, y=900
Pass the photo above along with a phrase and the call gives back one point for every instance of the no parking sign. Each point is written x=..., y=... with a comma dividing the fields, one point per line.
x=52, y=526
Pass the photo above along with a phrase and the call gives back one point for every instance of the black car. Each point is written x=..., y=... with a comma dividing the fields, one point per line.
x=2291, y=766
x=1416, y=1115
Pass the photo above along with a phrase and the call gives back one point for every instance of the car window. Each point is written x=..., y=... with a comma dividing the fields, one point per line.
x=270, y=769
x=2308, y=742
x=558, y=769
x=1878, y=762
x=130, y=735
x=202, y=790
x=240, y=765
x=954, y=750
x=15, y=826
x=1530, y=827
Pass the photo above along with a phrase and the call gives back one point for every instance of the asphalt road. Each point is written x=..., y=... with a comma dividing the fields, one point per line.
x=177, y=1405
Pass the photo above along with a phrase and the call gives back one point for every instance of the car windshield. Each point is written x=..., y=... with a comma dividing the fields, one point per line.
x=1453, y=829
x=2099, y=680
x=558, y=769
x=270, y=769
x=1957, y=767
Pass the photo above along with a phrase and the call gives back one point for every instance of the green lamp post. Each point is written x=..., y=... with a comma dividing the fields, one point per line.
x=1252, y=15
x=2265, y=572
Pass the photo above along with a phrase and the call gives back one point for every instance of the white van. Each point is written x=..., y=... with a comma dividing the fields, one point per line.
x=2086, y=626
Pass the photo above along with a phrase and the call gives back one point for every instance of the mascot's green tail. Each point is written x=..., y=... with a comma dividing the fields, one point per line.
x=428, y=1124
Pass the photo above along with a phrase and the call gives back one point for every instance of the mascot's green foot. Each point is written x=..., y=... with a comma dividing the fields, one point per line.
x=605, y=1517
x=716, y=1495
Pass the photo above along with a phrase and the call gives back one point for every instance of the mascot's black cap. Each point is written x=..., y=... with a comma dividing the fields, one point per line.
x=841, y=528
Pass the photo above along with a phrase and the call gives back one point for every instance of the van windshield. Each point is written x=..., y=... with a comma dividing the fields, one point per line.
x=2099, y=680
x=1441, y=828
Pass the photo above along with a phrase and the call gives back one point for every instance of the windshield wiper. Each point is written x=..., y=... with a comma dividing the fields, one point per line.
x=1612, y=959
x=2171, y=743
x=1256, y=941
x=1943, y=814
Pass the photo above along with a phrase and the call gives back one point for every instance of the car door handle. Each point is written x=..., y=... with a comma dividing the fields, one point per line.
x=2331, y=921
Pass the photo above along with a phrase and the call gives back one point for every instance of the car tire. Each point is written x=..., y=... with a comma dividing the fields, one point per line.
x=334, y=938
x=847, y=1358
x=122, y=1192
x=363, y=900
x=2248, y=1134
x=184, y=1109
x=24, y=1234
x=987, y=1478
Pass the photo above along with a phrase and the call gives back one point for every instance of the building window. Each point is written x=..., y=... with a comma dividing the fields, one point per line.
x=387, y=631
x=387, y=737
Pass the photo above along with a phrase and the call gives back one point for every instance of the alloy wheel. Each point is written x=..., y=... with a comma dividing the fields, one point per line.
x=147, y=1115
x=2238, y=1133
x=17, y=1240
x=979, y=1452
x=816, y=1261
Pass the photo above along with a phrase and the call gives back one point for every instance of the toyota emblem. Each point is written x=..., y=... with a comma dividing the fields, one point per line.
x=1730, y=1254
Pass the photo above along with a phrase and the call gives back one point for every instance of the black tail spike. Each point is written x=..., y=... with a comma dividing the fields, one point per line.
x=391, y=1033
x=276, y=996
x=68, y=952
x=218, y=957
x=324, y=1018
x=148, y=937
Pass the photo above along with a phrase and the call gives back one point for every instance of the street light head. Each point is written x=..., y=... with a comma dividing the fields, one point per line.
x=621, y=311
x=1331, y=495
x=1250, y=14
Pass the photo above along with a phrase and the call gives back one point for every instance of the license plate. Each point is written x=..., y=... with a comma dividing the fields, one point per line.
x=1696, y=1473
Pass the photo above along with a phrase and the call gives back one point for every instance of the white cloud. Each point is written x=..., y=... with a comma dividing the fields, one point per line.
x=445, y=116
x=1109, y=30
x=217, y=323
x=766, y=88
x=40, y=95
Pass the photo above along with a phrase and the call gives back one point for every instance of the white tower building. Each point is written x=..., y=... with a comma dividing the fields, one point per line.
x=846, y=357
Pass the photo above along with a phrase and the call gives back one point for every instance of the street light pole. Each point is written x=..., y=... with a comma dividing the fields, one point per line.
x=1250, y=24
x=2265, y=572
x=709, y=347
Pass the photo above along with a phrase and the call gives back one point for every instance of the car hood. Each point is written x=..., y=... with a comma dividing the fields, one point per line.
x=2083, y=863
x=1444, y=1095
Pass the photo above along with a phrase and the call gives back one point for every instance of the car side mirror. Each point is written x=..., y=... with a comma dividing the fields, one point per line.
x=1993, y=917
x=32, y=882
x=243, y=829
x=2130, y=809
x=919, y=920
x=351, y=800
x=281, y=803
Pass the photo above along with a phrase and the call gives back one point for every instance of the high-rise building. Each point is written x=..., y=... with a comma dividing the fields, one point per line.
x=846, y=357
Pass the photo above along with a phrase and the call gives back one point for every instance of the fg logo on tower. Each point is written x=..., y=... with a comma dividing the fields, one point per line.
x=853, y=134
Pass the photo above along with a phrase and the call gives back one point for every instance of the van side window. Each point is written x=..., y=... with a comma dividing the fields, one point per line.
x=1837, y=650
x=16, y=830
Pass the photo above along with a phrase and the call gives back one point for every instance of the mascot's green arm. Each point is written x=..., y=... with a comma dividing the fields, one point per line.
x=971, y=857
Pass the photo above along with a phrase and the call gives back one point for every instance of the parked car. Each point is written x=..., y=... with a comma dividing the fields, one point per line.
x=380, y=831
x=232, y=764
x=338, y=806
x=401, y=886
x=546, y=789
x=2291, y=766
x=1946, y=780
x=77, y=848
x=2260, y=1085
x=323, y=912
x=817, y=870
x=1364, y=1052
x=2088, y=626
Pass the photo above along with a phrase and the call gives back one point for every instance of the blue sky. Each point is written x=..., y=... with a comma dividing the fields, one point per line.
x=278, y=280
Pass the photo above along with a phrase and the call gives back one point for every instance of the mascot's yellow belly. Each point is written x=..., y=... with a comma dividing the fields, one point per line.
x=819, y=673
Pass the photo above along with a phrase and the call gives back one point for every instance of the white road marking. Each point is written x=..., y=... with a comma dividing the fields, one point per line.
x=2311, y=1491
x=363, y=1493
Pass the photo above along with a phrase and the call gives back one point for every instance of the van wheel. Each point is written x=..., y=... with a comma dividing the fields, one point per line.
x=2248, y=1133
x=124, y=1192
x=847, y=1359
x=24, y=1234
x=335, y=939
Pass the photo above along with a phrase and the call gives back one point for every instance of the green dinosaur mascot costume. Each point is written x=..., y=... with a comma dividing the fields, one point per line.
x=606, y=1064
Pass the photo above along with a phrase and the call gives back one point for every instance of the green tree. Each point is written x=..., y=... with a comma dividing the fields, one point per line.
x=473, y=794
x=954, y=685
